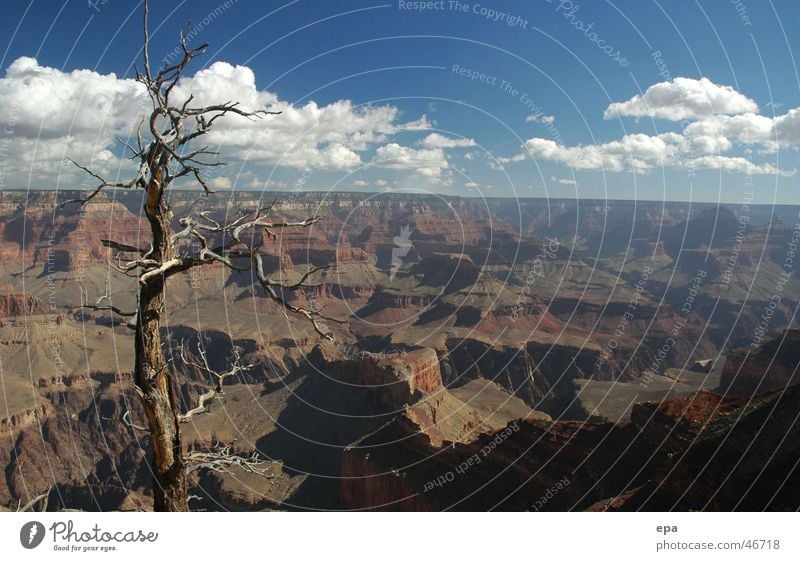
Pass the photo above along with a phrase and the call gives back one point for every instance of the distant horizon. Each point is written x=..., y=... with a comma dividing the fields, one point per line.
x=111, y=193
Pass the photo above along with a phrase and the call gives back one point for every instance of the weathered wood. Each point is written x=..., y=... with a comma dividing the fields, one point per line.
x=151, y=374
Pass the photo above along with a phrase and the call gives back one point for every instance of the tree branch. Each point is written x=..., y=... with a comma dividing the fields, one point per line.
x=222, y=457
x=138, y=180
x=207, y=397
x=125, y=248
x=43, y=497
x=98, y=306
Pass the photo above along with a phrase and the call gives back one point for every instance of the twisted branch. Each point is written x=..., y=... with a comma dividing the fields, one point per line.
x=206, y=398
x=222, y=457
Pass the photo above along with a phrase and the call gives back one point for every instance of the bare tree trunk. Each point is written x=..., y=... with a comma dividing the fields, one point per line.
x=162, y=161
x=151, y=375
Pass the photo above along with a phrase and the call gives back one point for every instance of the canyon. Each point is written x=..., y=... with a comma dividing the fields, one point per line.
x=506, y=354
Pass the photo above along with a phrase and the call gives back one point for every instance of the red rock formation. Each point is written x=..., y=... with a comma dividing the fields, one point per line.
x=20, y=305
x=419, y=368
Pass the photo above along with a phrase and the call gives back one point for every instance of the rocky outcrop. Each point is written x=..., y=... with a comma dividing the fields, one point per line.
x=703, y=452
x=540, y=373
x=20, y=421
x=20, y=305
x=77, y=447
x=769, y=366
x=508, y=469
x=725, y=454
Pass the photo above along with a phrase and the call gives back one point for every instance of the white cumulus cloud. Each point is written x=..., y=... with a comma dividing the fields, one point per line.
x=428, y=162
x=683, y=98
x=78, y=114
x=221, y=183
x=734, y=165
x=721, y=120
x=436, y=140
x=639, y=152
x=540, y=118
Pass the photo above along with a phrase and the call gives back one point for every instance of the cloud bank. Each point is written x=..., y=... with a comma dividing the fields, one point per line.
x=51, y=114
x=716, y=120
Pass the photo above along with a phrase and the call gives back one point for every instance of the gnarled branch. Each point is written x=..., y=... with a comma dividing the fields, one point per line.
x=222, y=457
x=207, y=397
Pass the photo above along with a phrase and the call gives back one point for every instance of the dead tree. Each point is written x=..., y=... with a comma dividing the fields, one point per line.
x=165, y=153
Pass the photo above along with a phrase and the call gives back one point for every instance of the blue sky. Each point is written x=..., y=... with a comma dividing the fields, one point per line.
x=546, y=77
